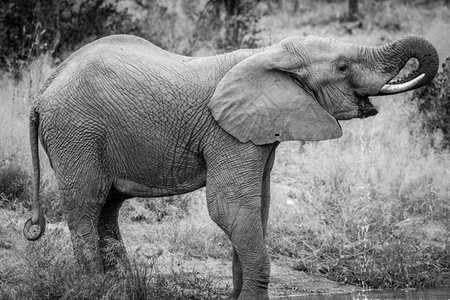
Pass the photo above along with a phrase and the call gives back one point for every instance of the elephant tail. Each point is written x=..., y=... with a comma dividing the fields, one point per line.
x=35, y=226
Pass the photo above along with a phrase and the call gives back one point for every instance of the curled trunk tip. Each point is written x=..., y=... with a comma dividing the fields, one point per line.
x=399, y=52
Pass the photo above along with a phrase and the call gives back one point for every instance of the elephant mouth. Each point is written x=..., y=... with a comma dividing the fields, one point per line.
x=365, y=108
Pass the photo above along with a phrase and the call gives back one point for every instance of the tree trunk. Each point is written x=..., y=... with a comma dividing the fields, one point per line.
x=296, y=6
x=57, y=34
x=352, y=10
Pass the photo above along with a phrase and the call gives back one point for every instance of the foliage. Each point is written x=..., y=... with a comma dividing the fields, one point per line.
x=15, y=190
x=51, y=273
x=238, y=28
x=13, y=180
x=434, y=106
x=29, y=28
x=159, y=24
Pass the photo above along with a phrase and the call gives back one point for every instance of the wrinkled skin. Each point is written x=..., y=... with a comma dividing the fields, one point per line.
x=121, y=118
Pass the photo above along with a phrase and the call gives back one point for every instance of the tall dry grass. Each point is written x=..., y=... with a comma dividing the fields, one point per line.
x=371, y=208
x=50, y=272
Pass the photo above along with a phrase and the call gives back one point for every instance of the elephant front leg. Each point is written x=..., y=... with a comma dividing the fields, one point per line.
x=251, y=265
x=265, y=204
x=235, y=205
x=236, y=264
x=252, y=270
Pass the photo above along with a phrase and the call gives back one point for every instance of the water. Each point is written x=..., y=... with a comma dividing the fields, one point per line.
x=432, y=294
x=366, y=159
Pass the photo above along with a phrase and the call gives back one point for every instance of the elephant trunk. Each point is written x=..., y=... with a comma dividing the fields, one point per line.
x=395, y=55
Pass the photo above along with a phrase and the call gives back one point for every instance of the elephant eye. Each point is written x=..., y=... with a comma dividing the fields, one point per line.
x=343, y=68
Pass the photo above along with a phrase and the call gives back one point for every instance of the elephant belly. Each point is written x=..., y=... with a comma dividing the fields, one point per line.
x=134, y=189
x=165, y=182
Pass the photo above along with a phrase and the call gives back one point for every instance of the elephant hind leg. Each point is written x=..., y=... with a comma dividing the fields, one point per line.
x=83, y=206
x=237, y=275
x=112, y=249
x=93, y=223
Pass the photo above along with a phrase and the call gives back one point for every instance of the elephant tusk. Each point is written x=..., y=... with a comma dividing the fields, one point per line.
x=402, y=87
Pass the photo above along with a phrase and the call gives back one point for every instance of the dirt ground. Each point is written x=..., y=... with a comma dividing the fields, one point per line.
x=284, y=280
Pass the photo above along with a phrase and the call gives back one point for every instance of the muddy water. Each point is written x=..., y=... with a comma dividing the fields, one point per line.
x=435, y=294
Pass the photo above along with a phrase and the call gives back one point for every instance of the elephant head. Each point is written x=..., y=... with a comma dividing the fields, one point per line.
x=299, y=88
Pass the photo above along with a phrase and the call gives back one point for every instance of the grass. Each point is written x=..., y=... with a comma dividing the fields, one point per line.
x=370, y=208
x=50, y=272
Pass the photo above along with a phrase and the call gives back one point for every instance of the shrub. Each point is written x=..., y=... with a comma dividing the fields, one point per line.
x=434, y=107
x=13, y=180
x=29, y=28
x=15, y=190
x=158, y=24
x=232, y=24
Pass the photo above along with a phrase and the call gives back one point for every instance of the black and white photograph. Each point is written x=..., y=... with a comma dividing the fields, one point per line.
x=225, y=149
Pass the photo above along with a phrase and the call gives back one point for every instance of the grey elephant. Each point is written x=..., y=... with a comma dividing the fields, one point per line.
x=122, y=118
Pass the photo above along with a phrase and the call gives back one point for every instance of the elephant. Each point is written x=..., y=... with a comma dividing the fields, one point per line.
x=123, y=118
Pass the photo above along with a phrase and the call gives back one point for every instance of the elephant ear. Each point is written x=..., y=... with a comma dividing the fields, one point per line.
x=257, y=101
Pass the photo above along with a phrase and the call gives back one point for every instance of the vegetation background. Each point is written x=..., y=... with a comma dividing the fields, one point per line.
x=369, y=210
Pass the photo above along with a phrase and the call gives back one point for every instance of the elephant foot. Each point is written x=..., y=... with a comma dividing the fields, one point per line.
x=252, y=296
x=249, y=294
x=234, y=295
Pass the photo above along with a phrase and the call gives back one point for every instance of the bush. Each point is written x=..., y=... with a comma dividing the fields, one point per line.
x=16, y=190
x=231, y=24
x=434, y=107
x=13, y=180
x=29, y=28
